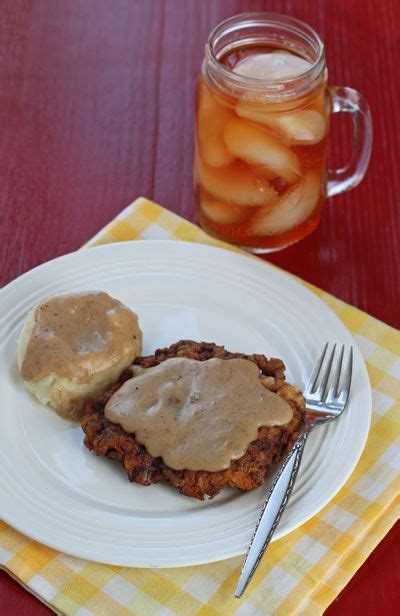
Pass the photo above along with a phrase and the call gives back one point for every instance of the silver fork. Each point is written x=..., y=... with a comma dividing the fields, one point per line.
x=326, y=396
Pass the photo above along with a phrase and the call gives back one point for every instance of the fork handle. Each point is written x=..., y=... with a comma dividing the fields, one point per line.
x=271, y=513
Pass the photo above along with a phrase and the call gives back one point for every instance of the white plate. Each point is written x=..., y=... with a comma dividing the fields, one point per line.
x=57, y=492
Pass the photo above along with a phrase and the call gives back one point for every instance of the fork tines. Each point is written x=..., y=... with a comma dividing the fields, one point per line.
x=329, y=384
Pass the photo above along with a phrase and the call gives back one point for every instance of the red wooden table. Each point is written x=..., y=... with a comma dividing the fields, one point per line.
x=96, y=108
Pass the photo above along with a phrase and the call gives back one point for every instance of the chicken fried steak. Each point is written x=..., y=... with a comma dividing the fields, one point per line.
x=246, y=473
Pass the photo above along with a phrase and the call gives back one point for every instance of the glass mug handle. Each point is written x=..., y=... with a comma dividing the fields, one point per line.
x=347, y=100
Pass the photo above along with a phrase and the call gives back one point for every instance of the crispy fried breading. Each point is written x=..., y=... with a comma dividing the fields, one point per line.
x=247, y=473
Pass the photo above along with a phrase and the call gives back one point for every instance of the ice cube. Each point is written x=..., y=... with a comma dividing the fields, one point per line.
x=290, y=210
x=211, y=120
x=258, y=146
x=235, y=184
x=270, y=66
x=266, y=114
x=306, y=126
x=252, y=106
x=223, y=213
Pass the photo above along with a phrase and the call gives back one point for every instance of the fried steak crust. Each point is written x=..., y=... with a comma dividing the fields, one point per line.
x=247, y=473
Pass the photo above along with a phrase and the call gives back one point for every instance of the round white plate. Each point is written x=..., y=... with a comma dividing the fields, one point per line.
x=57, y=492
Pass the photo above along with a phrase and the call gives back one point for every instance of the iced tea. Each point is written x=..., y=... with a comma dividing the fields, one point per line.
x=260, y=165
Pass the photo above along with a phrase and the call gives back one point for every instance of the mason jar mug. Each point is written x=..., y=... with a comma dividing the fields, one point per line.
x=262, y=125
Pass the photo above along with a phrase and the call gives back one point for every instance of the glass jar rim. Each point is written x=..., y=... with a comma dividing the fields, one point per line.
x=310, y=75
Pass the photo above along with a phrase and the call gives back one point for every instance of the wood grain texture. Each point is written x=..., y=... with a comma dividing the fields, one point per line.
x=96, y=108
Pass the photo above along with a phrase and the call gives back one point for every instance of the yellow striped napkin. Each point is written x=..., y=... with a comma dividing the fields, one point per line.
x=305, y=570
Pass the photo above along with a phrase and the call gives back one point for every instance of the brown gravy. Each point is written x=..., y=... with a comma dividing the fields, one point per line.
x=197, y=415
x=80, y=335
